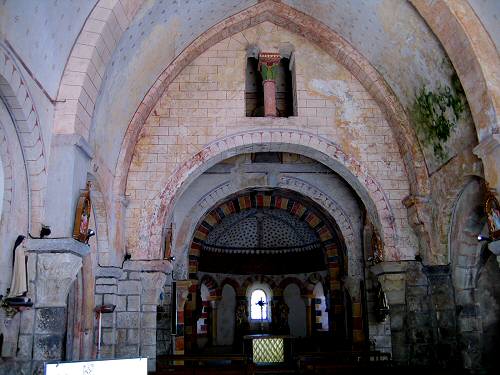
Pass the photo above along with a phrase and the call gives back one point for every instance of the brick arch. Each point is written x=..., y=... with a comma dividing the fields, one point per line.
x=15, y=91
x=292, y=280
x=345, y=231
x=234, y=284
x=211, y=284
x=263, y=279
x=154, y=215
x=314, y=31
x=251, y=200
x=311, y=282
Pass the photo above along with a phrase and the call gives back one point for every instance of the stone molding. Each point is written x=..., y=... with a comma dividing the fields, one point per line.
x=58, y=245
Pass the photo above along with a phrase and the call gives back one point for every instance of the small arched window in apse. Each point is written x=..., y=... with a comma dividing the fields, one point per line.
x=258, y=302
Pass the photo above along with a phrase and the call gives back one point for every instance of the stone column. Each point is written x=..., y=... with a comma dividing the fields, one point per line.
x=443, y=301
x=54, y=265
x=392, y=277
x=152, y=284
x=214, y=304
x=308, y=303
x=268, y=66
x=182, y=292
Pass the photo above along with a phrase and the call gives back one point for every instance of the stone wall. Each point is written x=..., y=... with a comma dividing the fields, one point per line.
x=206, y=102
x=136, y=290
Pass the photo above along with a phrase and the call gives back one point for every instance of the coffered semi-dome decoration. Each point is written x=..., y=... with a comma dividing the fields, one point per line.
x=287, y=232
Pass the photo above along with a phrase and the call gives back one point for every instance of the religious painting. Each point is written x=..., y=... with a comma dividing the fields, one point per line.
x=493, y=213
x=82, y=215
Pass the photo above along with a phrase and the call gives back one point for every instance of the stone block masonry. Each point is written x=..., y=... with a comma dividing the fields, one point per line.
x=205, y=102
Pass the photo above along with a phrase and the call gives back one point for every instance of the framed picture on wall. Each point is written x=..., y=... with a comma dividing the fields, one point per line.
x=493, y=213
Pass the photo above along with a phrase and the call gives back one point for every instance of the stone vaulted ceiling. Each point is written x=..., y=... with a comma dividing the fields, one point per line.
x=389, y=33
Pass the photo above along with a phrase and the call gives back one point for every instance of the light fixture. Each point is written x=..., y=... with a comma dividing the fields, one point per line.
x=90, y=233
x=171, y=259
x=481, y=238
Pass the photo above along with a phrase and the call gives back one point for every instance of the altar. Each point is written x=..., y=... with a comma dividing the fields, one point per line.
x=267, y=349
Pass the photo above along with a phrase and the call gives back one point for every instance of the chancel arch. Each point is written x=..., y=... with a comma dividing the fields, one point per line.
x=379, y=207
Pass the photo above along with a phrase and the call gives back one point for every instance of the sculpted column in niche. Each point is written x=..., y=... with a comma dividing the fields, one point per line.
x=268, y=66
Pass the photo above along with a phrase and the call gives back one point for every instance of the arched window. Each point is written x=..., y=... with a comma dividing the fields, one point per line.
x=258, y=302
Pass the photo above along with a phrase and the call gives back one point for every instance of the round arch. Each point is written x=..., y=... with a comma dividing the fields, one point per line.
x=156, y=213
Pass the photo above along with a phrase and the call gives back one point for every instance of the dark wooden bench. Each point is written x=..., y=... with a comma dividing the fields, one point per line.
x=184, y=364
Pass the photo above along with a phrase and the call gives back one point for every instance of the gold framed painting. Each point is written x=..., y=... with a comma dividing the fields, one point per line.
x=492, y=209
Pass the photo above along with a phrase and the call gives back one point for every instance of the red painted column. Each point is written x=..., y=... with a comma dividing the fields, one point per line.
x=268, y=66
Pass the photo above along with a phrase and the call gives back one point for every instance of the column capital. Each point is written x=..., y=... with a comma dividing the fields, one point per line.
x=392, y=277
x=57, y=263
x=55, y=274
x=487, y=146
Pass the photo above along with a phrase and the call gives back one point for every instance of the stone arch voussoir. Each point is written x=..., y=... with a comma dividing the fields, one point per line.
x=15, y=92
x=156, y=211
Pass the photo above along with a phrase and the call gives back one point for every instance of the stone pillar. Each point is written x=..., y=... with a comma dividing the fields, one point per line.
x=489, y=152
x=308, y=303
x=268, y=66
x=443, y=301
x=53, y=265
x=182, y=292
x=358, y=335
x=391, y=276
x=214, y=304
x=152, y=284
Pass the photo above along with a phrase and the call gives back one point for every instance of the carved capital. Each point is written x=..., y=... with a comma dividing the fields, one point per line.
x=55, y=274
x=153, y=280
x=419, y=217
x=268, y=64
x=487, y=146
x=392, y=277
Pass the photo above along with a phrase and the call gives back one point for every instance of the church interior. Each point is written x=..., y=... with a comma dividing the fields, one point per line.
x=250, y=186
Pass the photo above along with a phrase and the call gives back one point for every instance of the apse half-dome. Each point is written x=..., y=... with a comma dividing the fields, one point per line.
x=265, y=232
